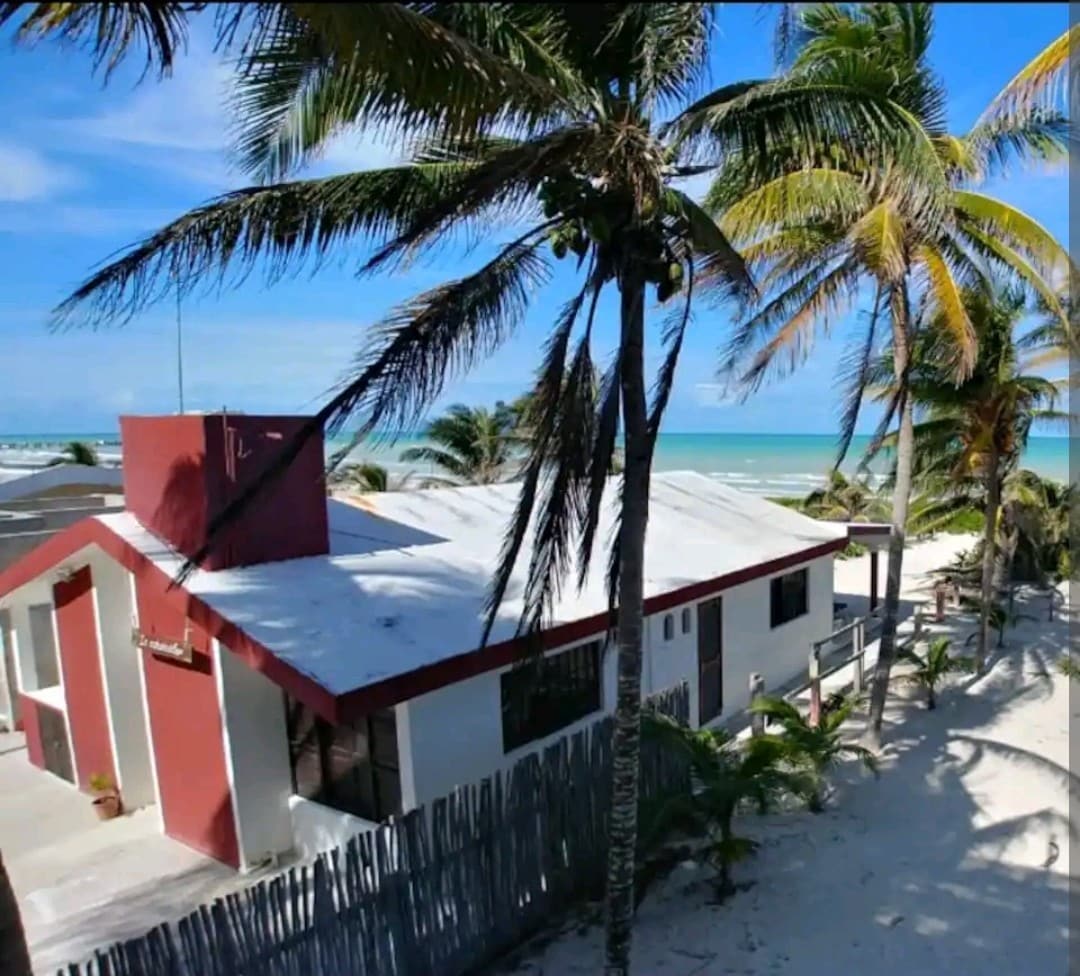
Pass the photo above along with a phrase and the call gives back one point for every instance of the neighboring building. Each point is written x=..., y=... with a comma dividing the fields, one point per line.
x=322, y=670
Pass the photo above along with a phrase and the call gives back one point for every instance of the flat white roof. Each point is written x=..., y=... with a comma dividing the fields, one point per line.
x=28, y=482
x=404, y=584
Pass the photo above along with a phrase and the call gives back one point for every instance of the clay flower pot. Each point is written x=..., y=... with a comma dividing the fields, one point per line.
x=107, y=806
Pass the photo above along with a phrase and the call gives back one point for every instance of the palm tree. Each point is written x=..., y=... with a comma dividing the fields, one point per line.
x=815, y=235
x=552, y=116
x=472, y=445
x=368, y=477
x=77, y=452
x=846, y=500
x=727, y=774
x=813, y=749
x=930, y=669
x=976, y=431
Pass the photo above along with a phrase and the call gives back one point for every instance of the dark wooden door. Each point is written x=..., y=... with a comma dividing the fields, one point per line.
x=710, y=660
x=54, y=743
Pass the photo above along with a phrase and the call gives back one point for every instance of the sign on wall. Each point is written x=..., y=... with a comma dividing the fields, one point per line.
x=173, y=650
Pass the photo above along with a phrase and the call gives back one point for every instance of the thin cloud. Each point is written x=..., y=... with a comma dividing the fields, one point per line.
x=27, y=175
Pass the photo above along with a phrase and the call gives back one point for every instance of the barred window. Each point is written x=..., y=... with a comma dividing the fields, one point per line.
x=686, y=625
x=669, y=626
x=789, y=597
x=542, y=696
x=352, y=767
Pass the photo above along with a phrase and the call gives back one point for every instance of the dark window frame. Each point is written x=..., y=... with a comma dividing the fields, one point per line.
x=789, y=597
x=669, y=626
x=543, y=696
x=367, y=756
x=687, y=620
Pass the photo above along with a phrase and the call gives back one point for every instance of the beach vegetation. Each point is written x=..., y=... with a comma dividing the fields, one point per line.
x=932, y=667
x=728, y=775
x=813, y=750
x=468, y=446
x=816, y=237
x=77, y=452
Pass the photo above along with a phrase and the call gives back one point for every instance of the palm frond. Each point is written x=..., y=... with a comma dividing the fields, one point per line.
x=109, y=31
x=450, y=69
x=279, y=229
x=408, y=359
x=952, y=316
x=855, y=374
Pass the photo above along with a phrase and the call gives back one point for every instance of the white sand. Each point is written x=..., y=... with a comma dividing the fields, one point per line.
x=939, y=867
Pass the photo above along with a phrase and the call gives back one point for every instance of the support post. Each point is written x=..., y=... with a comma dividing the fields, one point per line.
x=815, y=687
x=873, y=579
x=757, y=689
x=859, y=649
x=918, y=626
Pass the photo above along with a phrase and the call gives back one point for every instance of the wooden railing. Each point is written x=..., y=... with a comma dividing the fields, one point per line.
x=819, y=668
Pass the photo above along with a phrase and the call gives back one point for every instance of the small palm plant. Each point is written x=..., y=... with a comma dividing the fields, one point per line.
x=931, y=668
x=77, y=452
x=1069, y=666
x=369, y=477
x=727, y=774
x=812, y=751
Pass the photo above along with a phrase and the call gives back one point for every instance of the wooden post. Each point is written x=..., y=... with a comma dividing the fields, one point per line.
x=815, y=687
x=873, y=579
x=757, y=689
x=859, y=650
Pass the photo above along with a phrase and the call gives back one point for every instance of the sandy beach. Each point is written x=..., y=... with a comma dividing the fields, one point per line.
x=956, y=861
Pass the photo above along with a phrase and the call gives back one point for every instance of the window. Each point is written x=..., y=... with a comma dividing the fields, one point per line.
x=549, y=693
x=789, y=597
x=352, y=767
x=686, y=620
x=669, y=626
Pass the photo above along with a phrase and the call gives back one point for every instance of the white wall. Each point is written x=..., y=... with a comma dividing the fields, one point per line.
x=453, y=736
x=123, y=688
x=257, y=757
x=317, y=828
x=9, y=687
x=779, y=654
x=25, y=667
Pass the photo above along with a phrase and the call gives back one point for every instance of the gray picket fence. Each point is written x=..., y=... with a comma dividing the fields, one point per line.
x=439, y=891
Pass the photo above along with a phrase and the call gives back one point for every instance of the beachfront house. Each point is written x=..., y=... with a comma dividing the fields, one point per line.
x=322, y=670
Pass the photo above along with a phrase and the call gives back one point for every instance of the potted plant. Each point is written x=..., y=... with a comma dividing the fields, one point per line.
x=106, y=797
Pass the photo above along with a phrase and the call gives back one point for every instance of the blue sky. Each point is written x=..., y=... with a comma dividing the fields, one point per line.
x=86, y=169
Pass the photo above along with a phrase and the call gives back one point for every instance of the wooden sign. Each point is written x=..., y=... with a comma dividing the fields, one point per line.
x=173, y=650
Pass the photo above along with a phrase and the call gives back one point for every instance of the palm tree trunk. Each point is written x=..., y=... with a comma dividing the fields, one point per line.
x=993, y=505
x=931, y=698
x=14, y=955
x=905, y=455
x=626, y=741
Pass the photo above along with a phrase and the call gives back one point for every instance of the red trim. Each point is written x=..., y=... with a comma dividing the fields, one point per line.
x=385, y=693
x=92, y=532
x=35, y=751
x=458, y=668
x=869, y=529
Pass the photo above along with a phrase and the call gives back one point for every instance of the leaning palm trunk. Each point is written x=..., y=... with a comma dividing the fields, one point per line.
x=905, y=455
x=626, y=742
x=14, y=955
x=989, y=561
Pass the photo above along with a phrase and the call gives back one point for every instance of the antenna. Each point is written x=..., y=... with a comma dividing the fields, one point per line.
x=179, y=349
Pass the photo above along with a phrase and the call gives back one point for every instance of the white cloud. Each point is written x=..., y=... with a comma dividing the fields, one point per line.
x=26, y=175
x=713, y=395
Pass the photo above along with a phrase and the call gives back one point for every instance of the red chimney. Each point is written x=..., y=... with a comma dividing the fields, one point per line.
x=180, y=471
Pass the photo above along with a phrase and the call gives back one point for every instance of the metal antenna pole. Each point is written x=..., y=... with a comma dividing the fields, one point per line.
x=179, y=350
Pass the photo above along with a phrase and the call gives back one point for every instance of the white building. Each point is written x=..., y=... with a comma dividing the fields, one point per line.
x=326, y=672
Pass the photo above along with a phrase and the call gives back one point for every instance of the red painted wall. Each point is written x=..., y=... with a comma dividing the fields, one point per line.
x=84, y=686
x=180, y=471
x=186, y=732
x=34, y=751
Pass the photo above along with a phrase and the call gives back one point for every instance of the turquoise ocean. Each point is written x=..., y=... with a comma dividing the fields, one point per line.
x=770, y=464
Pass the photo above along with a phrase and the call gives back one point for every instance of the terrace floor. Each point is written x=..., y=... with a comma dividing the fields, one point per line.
x=82, y=884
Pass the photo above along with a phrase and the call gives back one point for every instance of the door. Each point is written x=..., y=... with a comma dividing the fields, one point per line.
x=710, y=660
x=54, y=743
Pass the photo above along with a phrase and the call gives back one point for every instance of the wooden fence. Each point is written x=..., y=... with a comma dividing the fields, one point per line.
x=438, y=892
